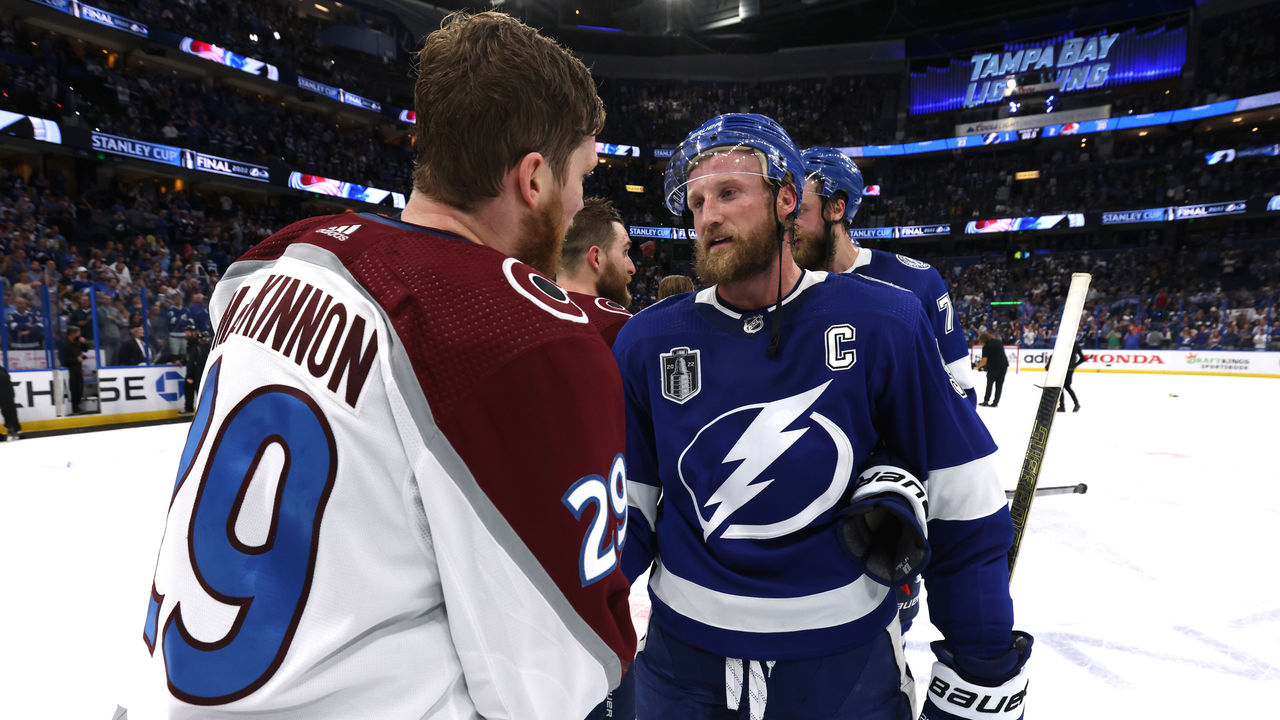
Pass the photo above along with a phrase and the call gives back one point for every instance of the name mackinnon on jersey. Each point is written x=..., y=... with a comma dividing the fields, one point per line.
x=681, y=374
x=294, y=319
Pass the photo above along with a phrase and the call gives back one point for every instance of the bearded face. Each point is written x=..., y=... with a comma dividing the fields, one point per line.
x=733, y=215
x=542, y=237
x=814, y=243
x=613, y=284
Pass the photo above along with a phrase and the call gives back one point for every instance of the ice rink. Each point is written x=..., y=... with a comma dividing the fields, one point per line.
x=1156, y=594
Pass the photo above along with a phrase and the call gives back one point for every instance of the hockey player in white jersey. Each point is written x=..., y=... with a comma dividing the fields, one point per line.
x=832, y=196
x=403, y=494
x=795, y=450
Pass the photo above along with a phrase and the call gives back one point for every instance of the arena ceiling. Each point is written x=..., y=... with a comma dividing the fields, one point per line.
x=667, y=27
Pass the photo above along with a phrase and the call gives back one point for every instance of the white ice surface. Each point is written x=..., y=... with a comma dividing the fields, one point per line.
x=1156, y=594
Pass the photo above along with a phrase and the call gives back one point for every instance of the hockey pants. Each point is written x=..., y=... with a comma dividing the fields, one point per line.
x=677, y=680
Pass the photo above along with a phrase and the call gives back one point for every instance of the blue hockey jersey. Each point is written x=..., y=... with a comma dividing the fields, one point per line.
x=927, y=285
x=739, y=465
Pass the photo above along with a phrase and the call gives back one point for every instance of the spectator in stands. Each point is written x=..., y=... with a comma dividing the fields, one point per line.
x=134, y=350
x=178, y=317
x=82, y=316
x=199, y=314
x=674, y=285
x=25, y=326
x=1155, y=338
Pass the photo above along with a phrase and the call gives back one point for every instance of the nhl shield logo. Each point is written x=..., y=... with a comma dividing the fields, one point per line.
x=681, y=374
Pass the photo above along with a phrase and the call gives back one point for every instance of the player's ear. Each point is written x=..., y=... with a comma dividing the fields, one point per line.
x=833, y=209
x=788, y=201
x=532, y=176
x=593, y=257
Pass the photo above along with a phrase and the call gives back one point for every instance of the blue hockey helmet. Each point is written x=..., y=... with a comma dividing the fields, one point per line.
x=782, y=161
x=833, y=171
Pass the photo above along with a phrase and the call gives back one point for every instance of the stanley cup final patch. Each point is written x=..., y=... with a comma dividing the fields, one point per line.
x=681, y=374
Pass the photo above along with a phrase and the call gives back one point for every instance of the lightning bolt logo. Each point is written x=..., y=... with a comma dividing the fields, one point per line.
x=764, y=441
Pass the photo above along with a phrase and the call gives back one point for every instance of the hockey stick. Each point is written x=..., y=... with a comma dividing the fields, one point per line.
x=1059, y=490
x=1039, y=442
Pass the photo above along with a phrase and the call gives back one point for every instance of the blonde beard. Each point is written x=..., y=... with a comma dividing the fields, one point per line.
x=746, y=258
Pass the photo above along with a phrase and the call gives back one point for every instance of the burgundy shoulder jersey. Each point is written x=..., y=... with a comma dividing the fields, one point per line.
x=403, y=493
x=604, y=314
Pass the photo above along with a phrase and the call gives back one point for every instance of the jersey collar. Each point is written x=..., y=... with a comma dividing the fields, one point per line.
x=862, y=260
x=808, y=279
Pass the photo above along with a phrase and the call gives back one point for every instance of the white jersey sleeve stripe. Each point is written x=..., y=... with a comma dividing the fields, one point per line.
x=644, y=498
x=965, y=492
x=960, y=371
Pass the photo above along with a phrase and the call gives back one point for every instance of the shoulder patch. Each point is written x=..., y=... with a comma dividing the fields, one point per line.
x=912, y=262
x=610, y=306
x=537, y=289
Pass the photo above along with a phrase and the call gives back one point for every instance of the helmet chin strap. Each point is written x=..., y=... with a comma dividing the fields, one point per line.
x=775, y=335
x=827, y=235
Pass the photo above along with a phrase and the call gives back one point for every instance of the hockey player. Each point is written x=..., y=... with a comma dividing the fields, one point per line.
x=403, y=494
x=595, y=266
x=751, y=406
x=832, y=196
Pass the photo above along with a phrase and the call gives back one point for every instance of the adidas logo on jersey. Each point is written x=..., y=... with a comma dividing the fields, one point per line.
x=340, y=232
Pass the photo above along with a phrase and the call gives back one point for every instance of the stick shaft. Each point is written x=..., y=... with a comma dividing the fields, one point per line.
x=1039, y=441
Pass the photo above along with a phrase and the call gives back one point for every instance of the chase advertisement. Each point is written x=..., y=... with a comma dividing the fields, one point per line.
x=1074, y=63
x=121, y=391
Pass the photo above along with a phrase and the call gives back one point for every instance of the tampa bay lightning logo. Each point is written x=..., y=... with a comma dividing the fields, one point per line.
x=775, y=442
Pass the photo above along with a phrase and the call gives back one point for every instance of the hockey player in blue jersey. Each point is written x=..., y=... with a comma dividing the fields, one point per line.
x=796, y=449
x=832, y=196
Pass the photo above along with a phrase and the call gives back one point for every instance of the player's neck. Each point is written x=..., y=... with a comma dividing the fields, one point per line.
x=480, y=228
x=845, y=255
x=577, y=283
x=761, y=289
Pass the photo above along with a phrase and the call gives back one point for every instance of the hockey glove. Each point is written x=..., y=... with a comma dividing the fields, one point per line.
x=965, y=688
x=884, y=527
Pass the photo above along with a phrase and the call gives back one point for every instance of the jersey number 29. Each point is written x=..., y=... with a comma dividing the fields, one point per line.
x=267, y=577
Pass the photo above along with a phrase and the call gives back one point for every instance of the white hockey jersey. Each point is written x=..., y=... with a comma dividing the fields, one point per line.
x=403, y=493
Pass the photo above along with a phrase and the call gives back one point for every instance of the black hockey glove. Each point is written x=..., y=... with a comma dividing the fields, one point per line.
x=884, y=527
x=965, y=688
